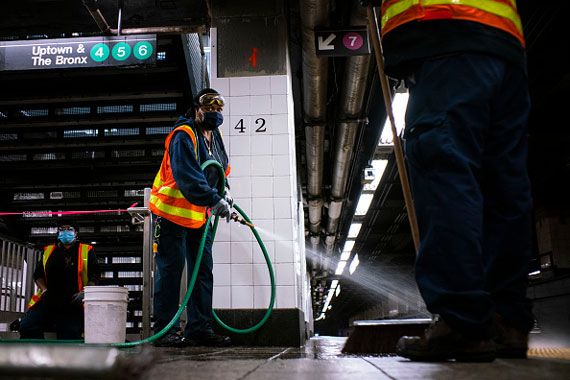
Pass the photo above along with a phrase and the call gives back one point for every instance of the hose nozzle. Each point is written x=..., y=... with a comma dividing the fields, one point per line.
x=235, y=217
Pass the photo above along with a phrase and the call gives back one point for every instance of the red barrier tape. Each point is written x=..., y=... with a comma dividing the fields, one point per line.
x=58, y=213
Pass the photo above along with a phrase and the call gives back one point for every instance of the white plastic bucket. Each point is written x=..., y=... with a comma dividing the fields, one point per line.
x=105, y=314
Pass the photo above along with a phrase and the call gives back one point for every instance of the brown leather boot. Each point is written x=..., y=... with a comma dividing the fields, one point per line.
x=510, y=342
x=441, y=343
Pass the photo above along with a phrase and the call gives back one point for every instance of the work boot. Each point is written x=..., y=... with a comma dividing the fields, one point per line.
x=441, y=343
x=208, y=339
x=510, y=342
x=170, y=339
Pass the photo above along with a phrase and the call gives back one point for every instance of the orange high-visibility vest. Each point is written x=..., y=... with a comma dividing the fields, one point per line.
x=500, y=14
x=166, y=200
x=82, y=274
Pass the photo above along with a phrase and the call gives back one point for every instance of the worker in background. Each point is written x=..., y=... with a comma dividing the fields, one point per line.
x=464, y=64
x=63, y=271
x=181, y=196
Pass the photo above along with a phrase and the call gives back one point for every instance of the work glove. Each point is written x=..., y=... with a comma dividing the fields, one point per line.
x=228, y=198
x=222, y=209
x=77, y=298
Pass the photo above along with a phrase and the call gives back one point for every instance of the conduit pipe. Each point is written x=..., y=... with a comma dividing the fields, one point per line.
x=93, y=9
x=314, y=13
x=351, y=103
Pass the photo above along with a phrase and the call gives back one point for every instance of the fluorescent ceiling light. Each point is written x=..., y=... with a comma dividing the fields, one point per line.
x=337, y=291
x=340, y=267
x=353, y=264
x=379, y=167
x=334, y=283
x=348, y=245
x=363, y=203
x=354, y=230
x=399, y=105
x=345, y=255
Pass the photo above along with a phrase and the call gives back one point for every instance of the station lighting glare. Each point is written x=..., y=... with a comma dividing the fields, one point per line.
x=363, y=204
x=353, y=264
x=334, y=283
x=354, y=230
x=340, y=267
x=345, y=255
x=399, y=105
x=348, y=245
x=337, y=292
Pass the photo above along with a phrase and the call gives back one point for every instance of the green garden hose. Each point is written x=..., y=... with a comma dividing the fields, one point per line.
x=221, y=191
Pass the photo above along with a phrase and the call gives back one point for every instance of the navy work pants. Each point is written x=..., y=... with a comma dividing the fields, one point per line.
x=177, y=244
x=66, y=321
x=466, y=146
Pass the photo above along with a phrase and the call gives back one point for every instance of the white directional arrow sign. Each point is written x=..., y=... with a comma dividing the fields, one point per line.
x=344, y=42
x=325, y=44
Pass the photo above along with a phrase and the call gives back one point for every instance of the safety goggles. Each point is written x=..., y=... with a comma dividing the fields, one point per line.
x=211, y=100
x=65, y=228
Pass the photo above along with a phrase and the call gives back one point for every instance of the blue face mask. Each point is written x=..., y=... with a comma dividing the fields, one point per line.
x=66, y=237
x=212, y=120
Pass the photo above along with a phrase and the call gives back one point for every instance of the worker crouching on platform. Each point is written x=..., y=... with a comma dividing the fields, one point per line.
x=64, y=270
x=180, y=197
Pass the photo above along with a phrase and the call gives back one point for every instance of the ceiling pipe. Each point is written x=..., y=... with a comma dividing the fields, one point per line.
x=314, y=13
x=351, y=103
x=93, y=9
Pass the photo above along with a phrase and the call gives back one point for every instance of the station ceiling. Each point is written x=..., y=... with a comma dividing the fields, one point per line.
x=384, y=244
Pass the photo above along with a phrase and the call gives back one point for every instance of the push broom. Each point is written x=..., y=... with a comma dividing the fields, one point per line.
x=381, y=336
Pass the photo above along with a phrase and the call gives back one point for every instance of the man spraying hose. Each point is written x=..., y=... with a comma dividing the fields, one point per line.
x=180, y=197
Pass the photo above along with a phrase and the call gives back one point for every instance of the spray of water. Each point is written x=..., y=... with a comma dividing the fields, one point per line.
x=382, y=283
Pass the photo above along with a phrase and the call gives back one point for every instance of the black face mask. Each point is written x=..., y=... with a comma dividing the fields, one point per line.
x=212, y=120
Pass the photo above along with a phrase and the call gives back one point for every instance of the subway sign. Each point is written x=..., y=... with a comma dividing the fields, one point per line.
x=65, y=53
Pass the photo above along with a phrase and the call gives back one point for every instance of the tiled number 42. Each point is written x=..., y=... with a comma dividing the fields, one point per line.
x=259, y=124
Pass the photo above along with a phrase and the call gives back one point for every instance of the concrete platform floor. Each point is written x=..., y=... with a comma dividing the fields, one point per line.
x=321, y=358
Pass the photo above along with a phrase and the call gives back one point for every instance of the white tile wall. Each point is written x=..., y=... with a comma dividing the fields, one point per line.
x=242, y=274
x=261, y=104
x=262, y=165
x=221, y=250
x=240, y=105
x=241, y=252
x=239, y=86
x=260, y=85
x=261, y=187
x=242, y=297
x=263, y=208
x=258, y=132
x=222, y=297
x=282, y=165
x=282, y=187
x=282, y=207
x=284, y=251
x=280, y=124
x=240, y=187
x=261, y=144
x=240, y=146
x=286, y=297
x=281, y=145
x=222, y=274
x=261, y=275
x=258, y=256
x=261, y=297
x=285, y=274
x=279, y=84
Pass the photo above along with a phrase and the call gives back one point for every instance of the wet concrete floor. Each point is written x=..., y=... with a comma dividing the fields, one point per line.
x=321, y=358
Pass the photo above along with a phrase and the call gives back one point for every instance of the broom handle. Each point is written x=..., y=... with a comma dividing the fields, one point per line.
x=408, y=200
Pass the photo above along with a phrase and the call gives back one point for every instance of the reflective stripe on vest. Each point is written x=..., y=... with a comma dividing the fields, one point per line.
x=501, y=14
x=82, y=270
x=166, y=199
